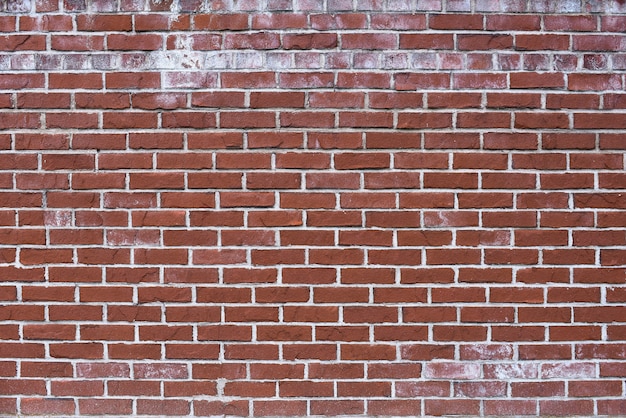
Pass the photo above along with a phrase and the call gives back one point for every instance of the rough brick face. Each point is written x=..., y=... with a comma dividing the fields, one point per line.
x=308, y=207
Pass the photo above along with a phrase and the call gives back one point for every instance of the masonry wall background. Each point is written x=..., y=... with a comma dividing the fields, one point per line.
x=312, y=207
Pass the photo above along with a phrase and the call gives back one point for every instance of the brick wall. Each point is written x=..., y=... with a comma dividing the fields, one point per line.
x=312, y=207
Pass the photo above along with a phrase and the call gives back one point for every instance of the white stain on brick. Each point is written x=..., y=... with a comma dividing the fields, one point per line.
x=455, y=371
x=575, y=370
x=60, y=218
x=508, y=371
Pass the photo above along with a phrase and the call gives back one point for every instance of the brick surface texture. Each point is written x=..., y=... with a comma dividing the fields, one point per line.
x=312, y=207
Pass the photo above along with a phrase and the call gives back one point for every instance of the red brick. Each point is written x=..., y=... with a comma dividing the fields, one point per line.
x=567, y=406
x=412, y=81
x=506, y=407
x=479, y=81
x=191, y=351
x=339, y=21
x=337, y=407
x=47, y=406
x=367, y=352
x=97, y=406
x=234, y=21
x=307, y=80
x=359, y=79
x=210, y=408
x=22, y=43
x=283, y=407
x=124, y=80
